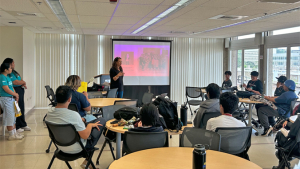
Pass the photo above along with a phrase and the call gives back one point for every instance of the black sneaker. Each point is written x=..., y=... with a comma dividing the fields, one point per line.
x=267, y=132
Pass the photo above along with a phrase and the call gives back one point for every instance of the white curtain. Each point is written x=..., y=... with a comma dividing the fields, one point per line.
x=194, y=61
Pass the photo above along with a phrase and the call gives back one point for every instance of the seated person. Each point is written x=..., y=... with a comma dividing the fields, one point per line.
x=80, y=99
x=227, y=82
x=283, y=103
x=287, y=141
x=209, y=105
x=228, y=104
x=254, y=85
x=279, y=90
x=62, y=115
x=149, y=120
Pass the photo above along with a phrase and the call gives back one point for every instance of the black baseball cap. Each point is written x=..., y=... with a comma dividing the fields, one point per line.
x=281, y=79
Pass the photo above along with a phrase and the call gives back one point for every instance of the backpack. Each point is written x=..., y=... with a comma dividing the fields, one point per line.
x=168, y=110
x=126, y=113
x=244, y=94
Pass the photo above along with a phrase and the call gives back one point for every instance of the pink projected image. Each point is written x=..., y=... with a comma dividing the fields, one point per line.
x=144, y=60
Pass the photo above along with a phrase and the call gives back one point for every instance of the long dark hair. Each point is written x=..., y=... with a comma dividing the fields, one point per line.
x=9, y=61
x=114, y=64
x=4, y=66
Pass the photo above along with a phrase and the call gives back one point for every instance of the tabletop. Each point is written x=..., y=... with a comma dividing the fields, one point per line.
x=95, y=92
x=179, y=158
x=119, y=129
x=248, y=101
x=102, y=102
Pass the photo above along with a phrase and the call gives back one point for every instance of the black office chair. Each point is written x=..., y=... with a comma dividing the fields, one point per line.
x=110, y=136
x=92, y=95
x=66, y=135
x=131, y=103
x=112, y=93
x=50, y=95
x=147, y=98
x=193, y=92
x=136, y=141
x=206, y=116
x=235, y=140
x=72, y=106
x=191, y=136
x=294, y=103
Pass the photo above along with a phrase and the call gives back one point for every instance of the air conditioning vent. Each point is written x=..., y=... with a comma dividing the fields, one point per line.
x=46, y=27
x=12, y=22
x=177, y=32
x=228, y=17
x=281, y=1
x=27, y=14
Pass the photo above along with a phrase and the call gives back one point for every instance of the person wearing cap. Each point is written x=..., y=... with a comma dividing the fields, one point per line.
x=227, y=82
x=279, y=86
x=283, y=103
x=254, y=85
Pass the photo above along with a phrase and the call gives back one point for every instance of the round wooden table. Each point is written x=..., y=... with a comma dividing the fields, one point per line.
x=102, y=102
x=248, y=101
x=119, y=130
x=179, y=158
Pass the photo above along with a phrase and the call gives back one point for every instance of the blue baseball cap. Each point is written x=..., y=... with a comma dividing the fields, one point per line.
x=290, y=84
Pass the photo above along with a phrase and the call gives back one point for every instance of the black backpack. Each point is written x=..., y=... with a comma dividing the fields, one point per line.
x=169, y=112
x=244, y=94
x=126, y=113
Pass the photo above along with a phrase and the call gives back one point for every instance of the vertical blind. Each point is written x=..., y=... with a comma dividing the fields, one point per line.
x=194, y=61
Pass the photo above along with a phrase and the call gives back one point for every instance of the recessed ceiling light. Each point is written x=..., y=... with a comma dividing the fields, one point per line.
x=179, y=5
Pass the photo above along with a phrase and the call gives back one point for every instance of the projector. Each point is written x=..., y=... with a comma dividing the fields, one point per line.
x=281, y=1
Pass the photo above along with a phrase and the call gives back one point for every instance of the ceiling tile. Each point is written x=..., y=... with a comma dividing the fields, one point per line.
x=52, y=17
x=124, y=20
x=245, y=12
x=18, y=5
x=158, y=10
x=43, y=7
x=76, y=25
x=73, y=18
x=58, y=24
x=134, y=10
x=265, y=6
x=18, y=22
x=5, y=15
x=170, y=2
x=69, y=7
x=92, y=26
x=39, y=24
x=113, y=27
x=33, y=18
x=94, y=19
x=114, y=32
x=227, y=3
x=202, y=13
x=180, y=21
x=168, y=27
x=151, y=2
x=95, y=8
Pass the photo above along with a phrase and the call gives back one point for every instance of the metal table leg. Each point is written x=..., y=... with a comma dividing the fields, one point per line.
x=118, y=145
x=250, y=115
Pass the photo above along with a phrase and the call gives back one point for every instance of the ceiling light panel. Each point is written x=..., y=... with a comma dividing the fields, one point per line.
x=179, y=5
x=58, y=10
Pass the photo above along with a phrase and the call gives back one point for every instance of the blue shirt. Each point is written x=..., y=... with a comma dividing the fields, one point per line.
x=283, y=102
x=13, y=77
x=5, y=81
x=80, y=100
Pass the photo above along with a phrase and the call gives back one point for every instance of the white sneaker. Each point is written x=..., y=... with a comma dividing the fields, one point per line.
x=19, y=134
x=20, y=130
x=26, y=128
x=15, y=137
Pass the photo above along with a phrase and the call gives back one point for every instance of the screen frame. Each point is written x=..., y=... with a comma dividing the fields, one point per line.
x=146, y=40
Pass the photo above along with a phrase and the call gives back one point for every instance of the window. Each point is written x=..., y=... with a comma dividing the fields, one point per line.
x=250, y=63
x=286, y=31
x=295, y=68
x=246, y=36
x=277, y=56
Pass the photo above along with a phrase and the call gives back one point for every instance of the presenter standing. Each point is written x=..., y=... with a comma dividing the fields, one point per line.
x=116, y=76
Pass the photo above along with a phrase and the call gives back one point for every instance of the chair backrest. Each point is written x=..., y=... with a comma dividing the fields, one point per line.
x=131, y=103
x=73, y=106
x=235, y=140
x=50, y=93
x=147, y=98
x=92, y=95
x=206, y=116
x=63, y=134
x=191, y=136
x=108, y=111
x=112, y=93
x=136, y=141
x=294, y=104
x=193, y=92
x=164, y=95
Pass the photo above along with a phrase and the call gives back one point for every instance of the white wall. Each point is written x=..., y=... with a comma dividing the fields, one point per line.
x=29, y=68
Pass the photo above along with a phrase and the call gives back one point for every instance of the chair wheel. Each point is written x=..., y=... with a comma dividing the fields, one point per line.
x=97, y=162
x=47, y=151
x=256, y=133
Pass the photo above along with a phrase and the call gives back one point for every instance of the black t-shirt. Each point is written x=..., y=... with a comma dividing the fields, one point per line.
x=256, y=85
x=227, y=84
x=119, y=82
x=279, y=91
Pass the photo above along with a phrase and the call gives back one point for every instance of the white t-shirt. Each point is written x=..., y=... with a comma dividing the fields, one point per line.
x=223, y=121
x=66, y=116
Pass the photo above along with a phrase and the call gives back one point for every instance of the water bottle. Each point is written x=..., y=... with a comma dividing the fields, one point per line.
x=183, y=114
x=199, y=157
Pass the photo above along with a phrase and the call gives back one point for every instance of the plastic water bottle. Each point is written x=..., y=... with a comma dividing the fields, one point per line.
x=199, y=157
